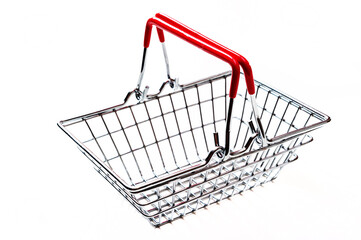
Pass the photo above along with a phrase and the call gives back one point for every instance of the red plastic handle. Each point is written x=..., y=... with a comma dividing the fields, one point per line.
x=160, y=35
x=215, y=51
x=179, y=27
x=241, y=60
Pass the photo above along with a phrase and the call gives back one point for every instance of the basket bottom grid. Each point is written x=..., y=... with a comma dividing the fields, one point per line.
x=224, y=191
x=214, y=191
x=218, y=183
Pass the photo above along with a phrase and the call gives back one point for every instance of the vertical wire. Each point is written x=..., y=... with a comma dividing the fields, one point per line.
x=310, y=115
x=272, y=114
x=200, y=113
x=265, y=102
x=225, y=98
x=190, y=123
x=241, y=120
x=166, y=130
x=298, y=109
x=282, y=118
x=141, y=138
x=179, y=132
x=101, y=150
x=155, y=137
x=250, y=118
x=214, y=116
x=130, y=146
x=116, y=148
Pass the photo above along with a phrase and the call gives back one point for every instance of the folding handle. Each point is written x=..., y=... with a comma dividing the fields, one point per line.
x=194, y=40
x=164, y=22
x=235, y=60
x=160, y=35
x=241, y=60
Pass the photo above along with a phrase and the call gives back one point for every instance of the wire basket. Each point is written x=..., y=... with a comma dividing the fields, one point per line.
x=164, y=152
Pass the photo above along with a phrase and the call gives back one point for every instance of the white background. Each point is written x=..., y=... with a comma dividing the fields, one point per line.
x=60, y=59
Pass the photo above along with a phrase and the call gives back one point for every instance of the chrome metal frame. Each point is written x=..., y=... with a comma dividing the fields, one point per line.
x=225, y=171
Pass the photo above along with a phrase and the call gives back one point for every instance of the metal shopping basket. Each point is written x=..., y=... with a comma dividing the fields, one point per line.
x=174, y=152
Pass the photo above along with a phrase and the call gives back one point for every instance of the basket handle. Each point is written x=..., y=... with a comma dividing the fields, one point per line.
x=163, y=22
x=235, y=60
x=241, y=60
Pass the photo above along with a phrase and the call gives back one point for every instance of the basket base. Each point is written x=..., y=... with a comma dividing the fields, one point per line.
x=210, y=192
x=215, y=197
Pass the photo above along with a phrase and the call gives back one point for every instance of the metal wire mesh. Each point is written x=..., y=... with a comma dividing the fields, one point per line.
x=173, y=132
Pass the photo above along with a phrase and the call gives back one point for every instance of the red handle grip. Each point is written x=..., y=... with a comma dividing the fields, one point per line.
x=241, y=60
x=212, y=45
x=160, y=35
x=198, y=43
x=147, y=37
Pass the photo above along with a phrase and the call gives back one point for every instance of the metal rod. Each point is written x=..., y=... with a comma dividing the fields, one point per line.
x=130, y=146
x=213, y=112
x=142, y=69
x=155, y=137
x=166, y=130
x=101, y=150
x=116, y=148
x=257, y=120
x=228, y=127
x=201, y=117
x=166, y=59
x=179, y=131
x=241, y=120
x=190, y=123
x=141, y=138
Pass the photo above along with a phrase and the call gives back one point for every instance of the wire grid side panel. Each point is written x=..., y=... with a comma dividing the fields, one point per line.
x=223, y=188
x=213, y=180
x=208, y=181
x=113, y=181
x=150, y=140
x=279, y=113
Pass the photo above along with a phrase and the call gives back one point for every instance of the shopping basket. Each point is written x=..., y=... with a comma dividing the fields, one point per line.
x=191, y=145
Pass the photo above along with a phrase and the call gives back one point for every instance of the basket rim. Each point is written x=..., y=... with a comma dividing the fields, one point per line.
x=292, y=100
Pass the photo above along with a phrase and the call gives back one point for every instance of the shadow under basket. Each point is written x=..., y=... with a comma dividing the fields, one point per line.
x=163, y=154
